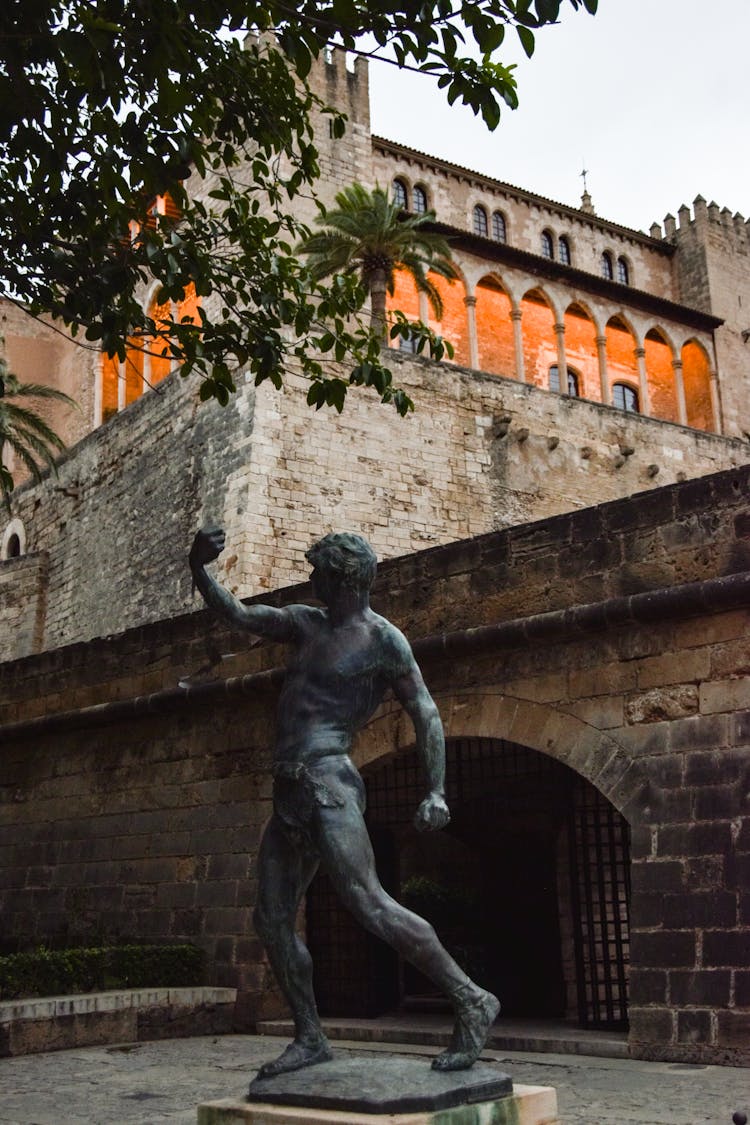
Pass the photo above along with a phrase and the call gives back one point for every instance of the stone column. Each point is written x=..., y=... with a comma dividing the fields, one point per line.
x=424, y=308
x=679, y=387
x=715, y=400
x=471, y=319
x=645, y=397
x=99, y=389
x=122, y=386
x=562, y=365
x=601, y=350
x=515, y=316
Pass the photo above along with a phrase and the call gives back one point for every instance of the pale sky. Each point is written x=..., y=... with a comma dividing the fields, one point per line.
x=654, y=95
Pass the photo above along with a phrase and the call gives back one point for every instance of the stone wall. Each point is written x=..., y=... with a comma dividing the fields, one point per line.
x=480, y=452
x=617, y=644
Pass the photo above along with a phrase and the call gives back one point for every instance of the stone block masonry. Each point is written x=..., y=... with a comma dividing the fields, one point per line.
x=131, y=806
x=116, y=524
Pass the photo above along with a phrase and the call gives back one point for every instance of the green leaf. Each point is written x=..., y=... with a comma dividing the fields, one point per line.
x=527, y=40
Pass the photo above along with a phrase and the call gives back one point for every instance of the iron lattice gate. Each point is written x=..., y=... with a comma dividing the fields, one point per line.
x=509, y=803
x=600, y=886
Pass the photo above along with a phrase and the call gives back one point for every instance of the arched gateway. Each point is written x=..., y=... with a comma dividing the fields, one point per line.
x=529, y=887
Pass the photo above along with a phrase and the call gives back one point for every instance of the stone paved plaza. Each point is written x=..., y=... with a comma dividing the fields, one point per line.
x=164, y=1081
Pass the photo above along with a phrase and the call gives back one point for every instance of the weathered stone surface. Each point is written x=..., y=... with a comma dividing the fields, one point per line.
x=394, y=1085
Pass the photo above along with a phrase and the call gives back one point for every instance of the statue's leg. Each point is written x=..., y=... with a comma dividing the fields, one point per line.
x=285, y=869
x=347, y=857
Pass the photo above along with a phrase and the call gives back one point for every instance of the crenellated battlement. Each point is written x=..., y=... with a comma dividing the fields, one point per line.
x=702, y=218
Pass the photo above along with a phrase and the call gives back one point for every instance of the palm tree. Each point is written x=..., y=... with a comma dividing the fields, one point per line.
x=23, y=431
x=368, y=234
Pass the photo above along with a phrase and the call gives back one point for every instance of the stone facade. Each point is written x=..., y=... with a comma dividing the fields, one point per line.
x=480, y=452
x=613, y=640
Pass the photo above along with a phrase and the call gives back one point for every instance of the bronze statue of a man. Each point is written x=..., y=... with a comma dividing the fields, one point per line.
x=345, y=659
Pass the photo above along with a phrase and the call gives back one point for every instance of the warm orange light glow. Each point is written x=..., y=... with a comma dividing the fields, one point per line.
x=539, y=345
x=110, y=376
x=159, y=357
x=696, y=375
x=622, y=364
x=133, y=371
x=581, y=353
x=495, y=329
x=454, y=324
x=660, y=373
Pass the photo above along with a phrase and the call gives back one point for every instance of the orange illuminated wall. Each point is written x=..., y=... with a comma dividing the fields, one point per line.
x=696, y=375
x=580, y=352
x=146, y=358
x=660, y=374
x=159, y=358
x=110, y=384
x=622, y=364
x=453, y=326
x=539, y=343
x=495, y=329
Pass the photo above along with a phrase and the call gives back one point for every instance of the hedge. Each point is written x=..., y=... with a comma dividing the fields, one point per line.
x=48, y=972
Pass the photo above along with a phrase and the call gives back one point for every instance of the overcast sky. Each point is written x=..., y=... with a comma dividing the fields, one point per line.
x=654, y=96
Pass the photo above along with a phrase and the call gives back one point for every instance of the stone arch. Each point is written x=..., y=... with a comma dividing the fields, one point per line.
x=580, y=348
x=621, y=343
x=696, y=375
x=659, y=354
x=495, y=341
x=454, y=324
x=538, y=319
x=483, y=713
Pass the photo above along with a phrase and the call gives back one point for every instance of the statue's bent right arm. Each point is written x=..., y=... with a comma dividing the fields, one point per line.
x=264, y=620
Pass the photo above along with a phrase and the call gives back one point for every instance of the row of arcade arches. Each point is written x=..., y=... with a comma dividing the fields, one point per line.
x=538, y=336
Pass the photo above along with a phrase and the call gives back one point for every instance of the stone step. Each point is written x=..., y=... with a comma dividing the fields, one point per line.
x=434, y=1031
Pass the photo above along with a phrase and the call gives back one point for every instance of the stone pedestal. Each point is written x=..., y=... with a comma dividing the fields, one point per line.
x=389, y=1091
x=527, y=1105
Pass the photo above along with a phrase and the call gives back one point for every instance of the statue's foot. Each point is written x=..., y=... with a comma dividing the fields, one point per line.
x=474, y=1018
x=297, y=1055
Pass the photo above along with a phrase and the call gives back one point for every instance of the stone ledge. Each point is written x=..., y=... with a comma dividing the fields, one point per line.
x=52, y=1023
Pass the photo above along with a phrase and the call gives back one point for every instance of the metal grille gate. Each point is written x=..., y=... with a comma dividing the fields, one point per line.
x=500, y=795
x=600, y=885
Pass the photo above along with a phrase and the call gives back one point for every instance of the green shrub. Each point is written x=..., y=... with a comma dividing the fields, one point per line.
x=48, y=972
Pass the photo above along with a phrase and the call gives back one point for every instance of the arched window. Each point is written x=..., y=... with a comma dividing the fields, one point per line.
x=548, y=246
x=554, y=380
x=399, y=194
x=13, y=542
x=499, y=229
x=563, y=250
x=623, y=273
x=625, y=397
x=480, y=221
x=606, y=266
x=419, y=200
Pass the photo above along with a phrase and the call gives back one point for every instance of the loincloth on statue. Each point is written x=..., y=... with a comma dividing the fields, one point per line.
x=301, y=788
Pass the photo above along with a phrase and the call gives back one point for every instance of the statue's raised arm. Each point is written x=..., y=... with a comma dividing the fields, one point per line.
x=264, y=620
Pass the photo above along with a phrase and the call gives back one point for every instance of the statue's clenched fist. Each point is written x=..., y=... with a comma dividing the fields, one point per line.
x=207, y=546
x=432, y=813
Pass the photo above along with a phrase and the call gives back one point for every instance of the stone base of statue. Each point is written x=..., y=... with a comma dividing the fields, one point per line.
x=399, y=1091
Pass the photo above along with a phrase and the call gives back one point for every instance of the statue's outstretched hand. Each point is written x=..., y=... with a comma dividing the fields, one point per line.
x=207, y=546
x=432, y=813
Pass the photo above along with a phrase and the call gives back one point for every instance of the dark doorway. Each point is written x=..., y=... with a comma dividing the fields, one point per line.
x=523, y=888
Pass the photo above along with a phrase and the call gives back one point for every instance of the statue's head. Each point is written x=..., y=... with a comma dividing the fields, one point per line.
x=342, y=559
